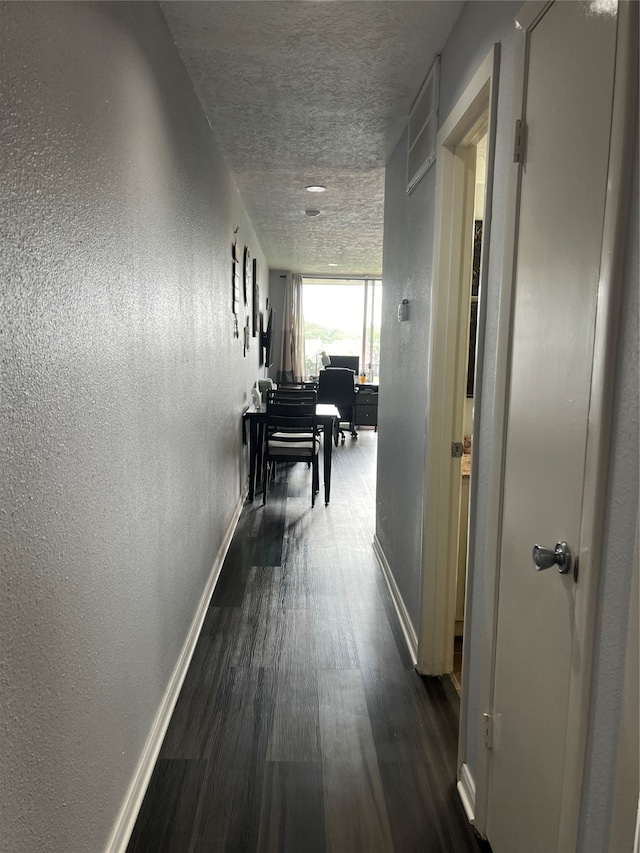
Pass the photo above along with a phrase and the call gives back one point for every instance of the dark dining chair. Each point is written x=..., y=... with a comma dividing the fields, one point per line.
x=292, y=393
x=337, y=385
x=291, y=436
x=295, y=395
x=310, y=385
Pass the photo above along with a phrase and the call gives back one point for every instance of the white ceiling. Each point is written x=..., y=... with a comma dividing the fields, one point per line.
x=302, y=92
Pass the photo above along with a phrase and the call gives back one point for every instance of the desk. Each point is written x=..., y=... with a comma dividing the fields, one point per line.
x=325, y=416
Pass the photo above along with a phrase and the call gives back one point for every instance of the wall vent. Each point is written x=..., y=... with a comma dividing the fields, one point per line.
x=423, y=127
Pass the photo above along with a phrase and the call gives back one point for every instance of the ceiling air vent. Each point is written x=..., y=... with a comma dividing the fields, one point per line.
x=423, y=127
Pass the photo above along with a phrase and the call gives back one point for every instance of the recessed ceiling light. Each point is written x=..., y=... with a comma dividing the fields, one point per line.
x=315, y=188
x=312, y=212
x=332, y=265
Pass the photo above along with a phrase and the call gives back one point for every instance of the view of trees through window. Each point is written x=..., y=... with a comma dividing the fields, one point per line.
x=342, y=317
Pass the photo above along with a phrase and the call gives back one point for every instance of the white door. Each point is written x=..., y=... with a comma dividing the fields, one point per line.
x=568, y=105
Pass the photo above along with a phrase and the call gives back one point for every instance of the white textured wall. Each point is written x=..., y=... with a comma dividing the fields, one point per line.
x=407, y=259
x=408, y=247
x=122, y=388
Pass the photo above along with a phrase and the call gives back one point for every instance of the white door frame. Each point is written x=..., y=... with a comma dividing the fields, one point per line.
x=455, y=185
x=625, y=96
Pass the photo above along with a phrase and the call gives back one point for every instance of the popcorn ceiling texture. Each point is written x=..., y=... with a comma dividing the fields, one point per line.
x=122, y=390
x=311, y=92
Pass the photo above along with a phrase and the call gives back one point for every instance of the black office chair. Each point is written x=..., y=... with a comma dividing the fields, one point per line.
x=337, y=385
x=291, y=436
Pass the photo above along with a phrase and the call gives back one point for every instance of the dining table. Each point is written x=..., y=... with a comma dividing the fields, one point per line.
x=325, y=417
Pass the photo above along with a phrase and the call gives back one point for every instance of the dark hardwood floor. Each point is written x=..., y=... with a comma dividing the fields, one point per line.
x=302, y=725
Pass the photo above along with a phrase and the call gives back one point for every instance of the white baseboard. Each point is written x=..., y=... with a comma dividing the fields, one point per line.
x=467, y=792
x=410, y=636
x=128, y=814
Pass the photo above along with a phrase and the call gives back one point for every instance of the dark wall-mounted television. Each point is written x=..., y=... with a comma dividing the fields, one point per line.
x=267, y=339
x=351, y=362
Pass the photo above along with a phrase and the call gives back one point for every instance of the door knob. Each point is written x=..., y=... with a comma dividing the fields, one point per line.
x=559, y=556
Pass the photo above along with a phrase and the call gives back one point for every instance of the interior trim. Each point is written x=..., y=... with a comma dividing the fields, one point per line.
x=447, y=341
x=467, y=792
x=132, y=803
x=409, y=632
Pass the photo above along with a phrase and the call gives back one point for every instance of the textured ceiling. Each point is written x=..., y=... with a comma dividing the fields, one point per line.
x=304, y=92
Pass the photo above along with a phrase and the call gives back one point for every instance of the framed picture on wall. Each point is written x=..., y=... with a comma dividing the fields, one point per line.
x=246, y=335
x=473, y=317
x=235, y=290
x=471, y=365
x=256, y=300
x=260, y=340
x=235, y=284
x=247, y=275
x=477, y=253
x=235, y=278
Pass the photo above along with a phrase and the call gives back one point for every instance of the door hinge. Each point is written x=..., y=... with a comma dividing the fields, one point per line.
x=456, y=449
x=519, y=141
x=487, y=720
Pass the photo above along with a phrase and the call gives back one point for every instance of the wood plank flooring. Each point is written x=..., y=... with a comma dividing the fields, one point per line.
x=302, y=725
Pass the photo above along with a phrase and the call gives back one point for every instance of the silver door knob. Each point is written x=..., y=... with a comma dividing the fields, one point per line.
x=560, y=556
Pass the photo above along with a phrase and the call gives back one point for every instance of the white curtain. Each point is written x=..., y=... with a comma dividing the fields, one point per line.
x=291, y=366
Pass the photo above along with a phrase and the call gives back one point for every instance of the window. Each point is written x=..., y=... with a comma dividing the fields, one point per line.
x=342, y=317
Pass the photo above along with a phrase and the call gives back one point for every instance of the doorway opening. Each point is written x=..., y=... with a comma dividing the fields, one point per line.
x=477, y=146
x=464, y=173
x=465, y=151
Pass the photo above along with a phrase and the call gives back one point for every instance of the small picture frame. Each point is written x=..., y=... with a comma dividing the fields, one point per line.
x=235, y=290
x=246, y=336
x=235, y=279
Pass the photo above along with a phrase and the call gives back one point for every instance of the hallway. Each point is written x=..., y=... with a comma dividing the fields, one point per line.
x=302, y=725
